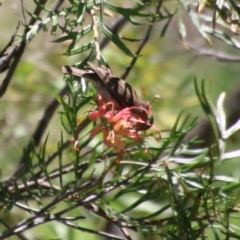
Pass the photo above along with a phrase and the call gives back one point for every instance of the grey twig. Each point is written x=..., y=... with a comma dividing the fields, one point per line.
x=218, y=55
x=18, y=54
x=95, y=32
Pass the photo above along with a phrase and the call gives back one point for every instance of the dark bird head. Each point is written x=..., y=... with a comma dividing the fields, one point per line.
x=142, y=113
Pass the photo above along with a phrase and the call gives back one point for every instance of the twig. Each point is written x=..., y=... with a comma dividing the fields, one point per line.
x=95, y=32
x=6, y=59
x=220, y=56
x=41, y=216
x=18, y=54
x=100, y=212
x=19, y=235
x=100, y=233
x=21, y=47
x=9, y=44
x=23, y=13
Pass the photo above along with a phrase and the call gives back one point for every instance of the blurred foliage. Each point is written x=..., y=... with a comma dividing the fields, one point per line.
x=158, y=190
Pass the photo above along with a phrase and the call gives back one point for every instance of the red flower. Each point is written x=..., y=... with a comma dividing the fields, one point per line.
x=115, y=125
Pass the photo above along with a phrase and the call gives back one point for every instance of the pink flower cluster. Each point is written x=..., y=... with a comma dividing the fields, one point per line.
x=115, y=124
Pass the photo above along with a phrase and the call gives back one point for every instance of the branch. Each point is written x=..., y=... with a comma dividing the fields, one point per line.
x=18, y=54
x=21, y=46
x=95, y=32
x=218, y=55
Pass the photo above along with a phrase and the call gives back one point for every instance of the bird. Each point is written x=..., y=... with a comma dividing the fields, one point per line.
x=116, y=90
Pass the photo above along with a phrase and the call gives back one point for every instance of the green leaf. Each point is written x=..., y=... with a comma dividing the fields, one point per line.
x=223, y=36
x=34, y=16
x=60, y=160
x=207, y=109
x=129, y=12
x=54, y=24
x=80, y=12
x=91, y=3
x=195, y=19
x=117, y=41
x=73, y=35
x=80, y=49
x=41, y=6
